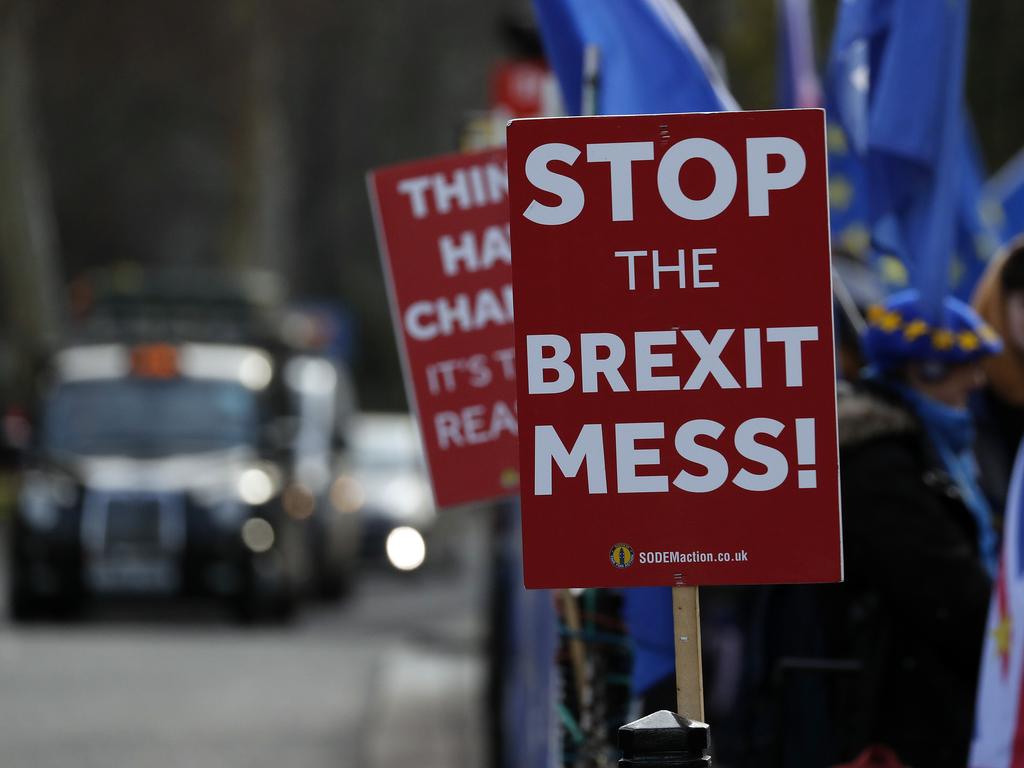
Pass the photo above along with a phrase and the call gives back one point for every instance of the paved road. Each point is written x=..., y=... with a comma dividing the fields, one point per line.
x=391, y=677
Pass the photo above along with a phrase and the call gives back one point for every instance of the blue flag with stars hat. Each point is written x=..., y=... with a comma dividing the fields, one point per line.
x=899, y=331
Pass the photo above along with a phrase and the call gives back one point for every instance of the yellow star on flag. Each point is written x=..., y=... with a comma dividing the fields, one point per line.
x=893, y=272
x=837, y=140
x=840, y=192
x=856, y=239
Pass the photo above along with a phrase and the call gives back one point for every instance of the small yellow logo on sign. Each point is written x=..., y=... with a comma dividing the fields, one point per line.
x=621, y=555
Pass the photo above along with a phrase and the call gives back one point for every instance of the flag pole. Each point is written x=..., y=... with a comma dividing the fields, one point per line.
x=847, y=303
x=591, y=79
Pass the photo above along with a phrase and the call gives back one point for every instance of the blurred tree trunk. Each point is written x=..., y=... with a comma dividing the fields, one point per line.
x=259, y=229
x=29, y=284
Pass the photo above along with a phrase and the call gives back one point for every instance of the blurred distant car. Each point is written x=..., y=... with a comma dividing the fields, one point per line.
x=385, y=479
x=322, y=399
x=159, y=469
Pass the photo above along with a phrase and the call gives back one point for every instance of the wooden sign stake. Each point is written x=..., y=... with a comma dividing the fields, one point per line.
x=577, y=652
x=689, y=672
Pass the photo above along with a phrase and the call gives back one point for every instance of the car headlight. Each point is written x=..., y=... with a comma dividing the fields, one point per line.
x=255, y=371
x=406, y=549
x=256, y=486
x=258, y=535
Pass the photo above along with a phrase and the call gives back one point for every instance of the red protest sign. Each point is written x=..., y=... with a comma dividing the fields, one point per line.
x=676, y=381
x=442, y=227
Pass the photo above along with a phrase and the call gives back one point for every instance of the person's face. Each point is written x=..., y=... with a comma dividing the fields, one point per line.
x=1015, y=320
x=954, y=388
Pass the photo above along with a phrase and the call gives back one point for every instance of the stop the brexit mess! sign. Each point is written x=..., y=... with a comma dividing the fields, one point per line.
x=673, y=338
x=442, y=227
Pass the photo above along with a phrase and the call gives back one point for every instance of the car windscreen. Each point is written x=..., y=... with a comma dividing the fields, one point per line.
x=144, y=417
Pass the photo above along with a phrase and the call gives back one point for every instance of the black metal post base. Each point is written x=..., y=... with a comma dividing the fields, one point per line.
x=665, y=740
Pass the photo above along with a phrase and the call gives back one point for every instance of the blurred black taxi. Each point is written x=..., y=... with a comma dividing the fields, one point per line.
x=160, y=469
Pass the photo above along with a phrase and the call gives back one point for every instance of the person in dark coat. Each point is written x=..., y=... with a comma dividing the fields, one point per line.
x=919, y=543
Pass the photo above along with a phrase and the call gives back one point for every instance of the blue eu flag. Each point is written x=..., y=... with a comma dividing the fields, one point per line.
x=896, y=82
x=798, y=87
x=651, y=58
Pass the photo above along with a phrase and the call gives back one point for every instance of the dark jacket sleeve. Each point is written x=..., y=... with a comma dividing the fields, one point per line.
x=912, y=542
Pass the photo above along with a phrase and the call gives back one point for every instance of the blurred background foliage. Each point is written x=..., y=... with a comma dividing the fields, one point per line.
x=238, y=133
